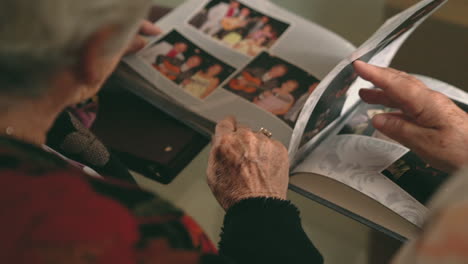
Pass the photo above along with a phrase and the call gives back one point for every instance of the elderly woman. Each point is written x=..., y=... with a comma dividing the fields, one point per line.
x=57, y=53
x=53, y=212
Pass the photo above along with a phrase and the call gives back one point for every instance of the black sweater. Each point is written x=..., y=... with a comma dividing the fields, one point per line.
x=264, y=230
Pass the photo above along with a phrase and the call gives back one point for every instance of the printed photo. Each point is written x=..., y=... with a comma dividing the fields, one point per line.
x=239, y=26
x=462, y=106
x=361, y=122
x=186, y=64
x=416, y=177
x=274, y=85
x=330, y=105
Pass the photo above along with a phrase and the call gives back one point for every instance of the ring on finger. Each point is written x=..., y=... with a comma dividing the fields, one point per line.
x=265, y=132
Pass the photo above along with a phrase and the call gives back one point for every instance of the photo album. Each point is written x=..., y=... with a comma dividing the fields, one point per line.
x=272, y=69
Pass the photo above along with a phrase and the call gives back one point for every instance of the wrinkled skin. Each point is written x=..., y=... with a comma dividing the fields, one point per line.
x=245, y=164
x=429, y=123
x=139, y=42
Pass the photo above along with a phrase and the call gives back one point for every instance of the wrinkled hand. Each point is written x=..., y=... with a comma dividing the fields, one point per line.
x=430, y=124
x=148, y=29
x=244, y=164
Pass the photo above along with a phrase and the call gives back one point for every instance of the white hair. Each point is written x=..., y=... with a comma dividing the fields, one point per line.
x=39, y=36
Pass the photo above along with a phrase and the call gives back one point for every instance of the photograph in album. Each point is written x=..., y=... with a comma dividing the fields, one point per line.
x=239, y=26
x=274, y=85
x=186, y=64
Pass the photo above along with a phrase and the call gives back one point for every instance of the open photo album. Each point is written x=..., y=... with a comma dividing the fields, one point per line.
x=270, y=68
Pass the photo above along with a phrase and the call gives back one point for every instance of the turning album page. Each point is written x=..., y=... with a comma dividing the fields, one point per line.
x=364, y=159
x=337, y=93
x=251, y=59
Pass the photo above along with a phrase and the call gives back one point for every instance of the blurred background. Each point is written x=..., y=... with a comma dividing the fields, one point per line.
x=439, y=49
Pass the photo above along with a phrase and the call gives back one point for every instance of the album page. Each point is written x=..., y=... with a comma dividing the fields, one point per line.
x=251, y=59
x=364, y=159
x=337, y=92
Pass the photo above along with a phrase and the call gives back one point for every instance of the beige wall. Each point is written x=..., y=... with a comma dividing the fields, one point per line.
x=454, y=11
x=355, y=20
x=439, y=47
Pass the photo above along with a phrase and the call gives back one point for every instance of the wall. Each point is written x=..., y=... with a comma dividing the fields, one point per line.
x=439, y=47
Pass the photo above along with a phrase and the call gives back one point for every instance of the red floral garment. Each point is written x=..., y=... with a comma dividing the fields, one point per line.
x=53, y=213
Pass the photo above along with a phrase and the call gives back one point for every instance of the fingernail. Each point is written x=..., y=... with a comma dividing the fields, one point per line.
x=380, y=120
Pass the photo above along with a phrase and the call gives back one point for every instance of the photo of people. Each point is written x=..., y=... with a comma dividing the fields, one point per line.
x=331, y=104
x=187, y=65
x=416, y=177
x=238, y=26
x=361, y=122
x=274, y=85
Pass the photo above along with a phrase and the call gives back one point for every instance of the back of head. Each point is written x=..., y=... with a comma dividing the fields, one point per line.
x=41, y=36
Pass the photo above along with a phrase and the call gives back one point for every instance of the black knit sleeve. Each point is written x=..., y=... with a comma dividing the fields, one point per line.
x=262, y=230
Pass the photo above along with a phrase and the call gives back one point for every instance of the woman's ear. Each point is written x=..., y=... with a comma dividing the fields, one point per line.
x=96, y=62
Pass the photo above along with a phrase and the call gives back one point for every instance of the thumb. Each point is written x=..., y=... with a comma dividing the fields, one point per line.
x=398, y=128
x=136, y=45
x=149, y=29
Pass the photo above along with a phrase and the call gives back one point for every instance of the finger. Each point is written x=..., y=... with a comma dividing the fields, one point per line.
x=378, y=75
x=137, y=44
x=149, y=29
x=279, y=145
x=399, y=128
x=248, y=140
x=243, y=127
x=225, y=127
x=245, y=134
x=376, y=97
x=265, y=134
x=399, y=115
x=410, y=95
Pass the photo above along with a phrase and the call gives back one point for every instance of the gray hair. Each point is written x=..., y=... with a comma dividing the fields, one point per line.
x=38, y=37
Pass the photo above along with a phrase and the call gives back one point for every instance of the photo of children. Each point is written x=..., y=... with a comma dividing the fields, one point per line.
x=184, y=63
x=416, y=177
x=331, y=104
x=274, y=85
x=238, y=26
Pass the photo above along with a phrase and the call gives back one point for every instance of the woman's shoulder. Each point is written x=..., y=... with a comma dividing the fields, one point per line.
x=19, y=159
x=30, y=169
x=28, y=159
